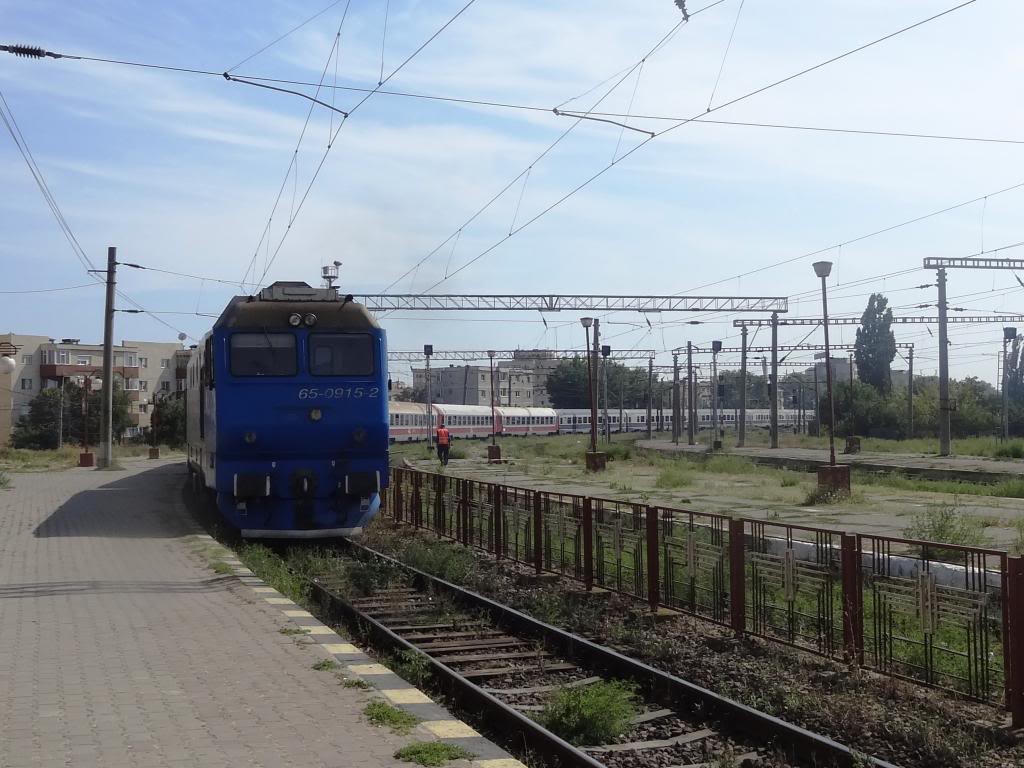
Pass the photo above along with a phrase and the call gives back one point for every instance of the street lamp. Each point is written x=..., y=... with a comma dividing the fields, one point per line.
x=7, y=365
x=823, y=269
x=716, y=437
x=493, y=450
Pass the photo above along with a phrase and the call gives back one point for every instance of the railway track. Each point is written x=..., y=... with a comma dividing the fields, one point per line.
x=503, y=665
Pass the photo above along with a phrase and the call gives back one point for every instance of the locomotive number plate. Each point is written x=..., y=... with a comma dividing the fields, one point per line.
x=338, y=393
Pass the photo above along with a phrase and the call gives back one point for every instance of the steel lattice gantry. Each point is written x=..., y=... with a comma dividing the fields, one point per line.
x=911, y=320
x=575, y=302
x=783, y=348
x=515, y=354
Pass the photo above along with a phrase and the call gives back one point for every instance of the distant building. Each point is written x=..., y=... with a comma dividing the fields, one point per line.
x=147, y=370
x=471, y=384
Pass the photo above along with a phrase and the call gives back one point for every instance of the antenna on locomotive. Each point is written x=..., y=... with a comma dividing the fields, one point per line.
x=329, y=273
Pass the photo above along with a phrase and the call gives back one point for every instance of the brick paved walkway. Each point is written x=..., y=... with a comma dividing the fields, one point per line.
x=119, y=647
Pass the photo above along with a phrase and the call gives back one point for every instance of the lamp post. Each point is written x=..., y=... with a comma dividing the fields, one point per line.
x=605, y=351
x=716, y=440
x=428, y=350
x=833, y=479
x=493, y=450
x=823, y=269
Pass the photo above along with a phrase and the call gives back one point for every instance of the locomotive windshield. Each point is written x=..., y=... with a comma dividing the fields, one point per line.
x=263, y=354
x=341, y=354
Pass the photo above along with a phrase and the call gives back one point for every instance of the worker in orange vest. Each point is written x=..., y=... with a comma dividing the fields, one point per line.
x=444, y=444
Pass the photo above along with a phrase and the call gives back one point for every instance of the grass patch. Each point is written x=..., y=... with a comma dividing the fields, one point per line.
x=5, y=480
x=411, y=666
x=326, y=665
x=293, y=631
x=947, y=524
x=26, y=460
x=381, y=713
x=222, y=568
x=592, y=714
x=432, y=753
x=820, y=496
x=354, y=682
x=673, y=476
x=1017, y=548
x=275, y=571
x=788, y=481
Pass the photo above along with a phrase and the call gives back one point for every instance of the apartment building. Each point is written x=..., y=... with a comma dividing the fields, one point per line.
x=147, y=370
x=471, y=385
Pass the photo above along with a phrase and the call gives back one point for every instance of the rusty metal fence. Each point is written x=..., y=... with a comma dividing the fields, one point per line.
x=946, y=616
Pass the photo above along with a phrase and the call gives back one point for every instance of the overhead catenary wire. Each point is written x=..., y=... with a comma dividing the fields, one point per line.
x=51, y=290
x=352, y=111
x=558, y=140
x=11, y=123
x=291, y=31
x=731, y=102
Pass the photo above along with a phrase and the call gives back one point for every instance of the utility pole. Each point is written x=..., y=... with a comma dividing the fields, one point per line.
x=716, y=441
x=650, y=394
x=910, y=394
x=676, y=423
x=428, y=350
x=595, y=382
x=944, y=436
x=741, y=437
x=853, y=421
x=773, y=390
x=107, y=423
x=690, y=395
x=1009, y=334
x=817, y=397
x=605, y=351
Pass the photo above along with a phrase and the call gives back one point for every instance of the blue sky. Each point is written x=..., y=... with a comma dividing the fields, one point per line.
x=181, y=171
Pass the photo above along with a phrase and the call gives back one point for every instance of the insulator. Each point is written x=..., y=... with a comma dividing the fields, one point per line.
x=28, y=51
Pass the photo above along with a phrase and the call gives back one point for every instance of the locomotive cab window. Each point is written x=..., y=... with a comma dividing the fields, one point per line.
x=263, y=354
x=341, y=354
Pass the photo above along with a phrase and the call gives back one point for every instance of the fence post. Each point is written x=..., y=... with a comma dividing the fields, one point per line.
x=417, y=500
x=653, y=566
x=499, y=523
x=1015, y=641
x=853, y=608
x=538, y=533
x=588, y=543
x=737, y=576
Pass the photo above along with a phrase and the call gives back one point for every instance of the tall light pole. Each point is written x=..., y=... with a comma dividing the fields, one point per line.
x=493, y=450
x=823, y=269
x=428, y=350
x=1009, y=334
x=586, y=322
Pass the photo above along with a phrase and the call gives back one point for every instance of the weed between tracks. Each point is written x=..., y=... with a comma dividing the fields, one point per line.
x=432, y=753
x=594, y=714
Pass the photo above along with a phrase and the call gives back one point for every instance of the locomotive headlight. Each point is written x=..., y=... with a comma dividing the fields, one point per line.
x=315, y=414
x=309, y=320
x=250, y=437
x=294, y=319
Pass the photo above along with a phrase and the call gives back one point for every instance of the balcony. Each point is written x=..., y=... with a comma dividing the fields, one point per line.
x=63, y=371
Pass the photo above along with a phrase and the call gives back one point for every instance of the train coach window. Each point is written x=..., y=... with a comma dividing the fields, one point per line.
x=341, y=354
x=263, y=354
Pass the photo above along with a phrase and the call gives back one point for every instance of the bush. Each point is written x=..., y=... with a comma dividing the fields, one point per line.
x=947, y=524
x=673, y=476
x=432, y=753
x=592, y=714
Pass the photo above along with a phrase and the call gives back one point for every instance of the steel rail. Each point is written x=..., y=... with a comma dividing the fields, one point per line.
x=801, y=745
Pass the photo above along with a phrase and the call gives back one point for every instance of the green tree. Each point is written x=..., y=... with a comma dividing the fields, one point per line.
x=38, y=428
x=567, y=385
x=168, y=422
x=875, y=347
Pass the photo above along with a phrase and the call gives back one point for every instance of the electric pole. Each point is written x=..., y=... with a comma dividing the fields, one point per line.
x=676, y=410
x=690, y=395
x=605, y=351
x=107, y=423
x=910, y=393
x=773, y=390
x=428, y=350
x=650, y=394
x=944, y=436
x=741, y=436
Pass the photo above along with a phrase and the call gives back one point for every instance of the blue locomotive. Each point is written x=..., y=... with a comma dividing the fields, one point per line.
x=287, y=405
